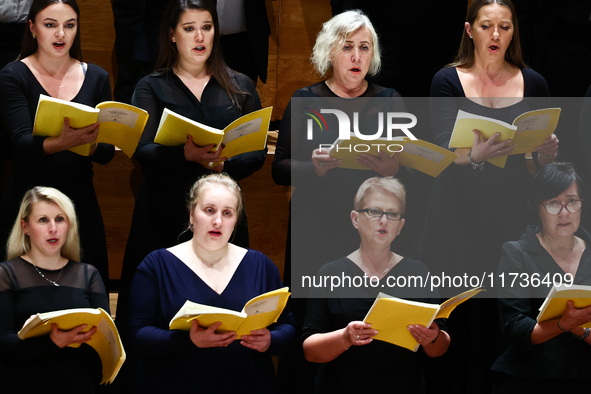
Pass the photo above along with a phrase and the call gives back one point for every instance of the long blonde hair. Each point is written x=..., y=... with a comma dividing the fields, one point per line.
x=19, y=243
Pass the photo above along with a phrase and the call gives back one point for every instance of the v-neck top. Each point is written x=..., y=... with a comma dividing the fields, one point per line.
x=161, y=286
x=163, y=90
x=446, y=83
x=19, y=99
x=66, y=171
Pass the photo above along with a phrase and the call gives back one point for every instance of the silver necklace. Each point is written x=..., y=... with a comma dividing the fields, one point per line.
x=46, y=278
x=208, y=263
x=486, y=75
x=377, y=278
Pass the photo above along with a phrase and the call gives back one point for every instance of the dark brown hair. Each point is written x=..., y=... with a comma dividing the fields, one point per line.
x=168, y=55
x=465, y=56
x=30, y=45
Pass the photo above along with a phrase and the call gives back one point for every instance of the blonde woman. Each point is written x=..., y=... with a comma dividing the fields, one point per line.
x=207, y=269
x=43, y=275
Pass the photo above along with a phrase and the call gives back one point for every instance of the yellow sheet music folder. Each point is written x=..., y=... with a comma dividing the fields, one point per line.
x=246, y=134
x=391, y=316
x=555, y=303
x=528, y=131
x=420, y=155
x=120, y=124
x=259, y=312
x=105, y=341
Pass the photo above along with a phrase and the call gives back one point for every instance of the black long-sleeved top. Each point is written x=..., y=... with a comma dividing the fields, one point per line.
x=37, y=364
x=562, y=357
x=66, y=171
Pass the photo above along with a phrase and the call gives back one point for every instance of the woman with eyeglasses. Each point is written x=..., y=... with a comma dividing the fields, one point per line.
x=553, y=355
x=334, y=332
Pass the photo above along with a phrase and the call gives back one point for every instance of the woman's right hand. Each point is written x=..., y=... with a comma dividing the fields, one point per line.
x=323, y=162
x=70, y=138
x=483, y=150
x=75, y=335
x=358, y=333
x=207, y=337
x=201, y=153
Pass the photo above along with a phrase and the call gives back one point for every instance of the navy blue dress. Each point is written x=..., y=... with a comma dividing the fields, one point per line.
x=170, y=361
x=161, y=217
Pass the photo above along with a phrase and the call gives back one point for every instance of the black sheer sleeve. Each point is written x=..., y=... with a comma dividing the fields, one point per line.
x=10, y=343
x=283, y=164
x=24, y=293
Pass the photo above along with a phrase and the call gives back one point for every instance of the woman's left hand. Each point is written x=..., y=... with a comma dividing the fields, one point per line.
x=323, y=162
x=258, y=340
x=548, y=150
x=76, y=335
x=573, y=317
x=423, y=335
x=383, y=165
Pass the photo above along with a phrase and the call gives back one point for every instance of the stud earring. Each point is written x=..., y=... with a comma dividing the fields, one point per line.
x=34, y=36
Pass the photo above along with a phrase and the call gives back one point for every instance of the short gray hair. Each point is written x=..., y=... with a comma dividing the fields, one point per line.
x=331, y=38
x=388, y=184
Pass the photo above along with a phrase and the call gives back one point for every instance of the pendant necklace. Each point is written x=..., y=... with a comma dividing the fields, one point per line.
x=485, y=75
x=376, y=278
x=211, y=265
x=54, y=282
